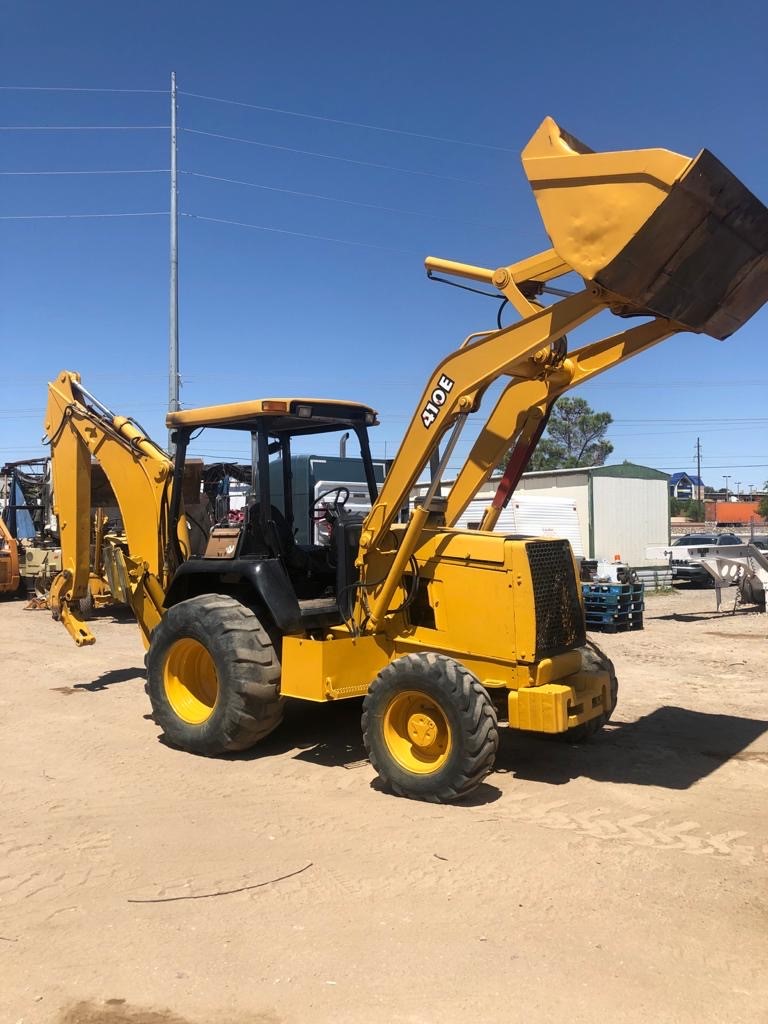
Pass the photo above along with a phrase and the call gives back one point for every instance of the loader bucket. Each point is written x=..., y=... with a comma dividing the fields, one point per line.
x=667, y=235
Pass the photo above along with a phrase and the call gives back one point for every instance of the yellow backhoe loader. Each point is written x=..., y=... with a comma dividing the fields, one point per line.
x=441, y=630
x=10, y=580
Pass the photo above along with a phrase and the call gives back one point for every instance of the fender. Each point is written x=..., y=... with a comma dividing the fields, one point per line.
x=266, y=577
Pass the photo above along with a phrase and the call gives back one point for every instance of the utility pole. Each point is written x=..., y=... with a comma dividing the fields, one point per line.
x=726, y=477
x=173, y=331
x=738, y=488
x=699, y=488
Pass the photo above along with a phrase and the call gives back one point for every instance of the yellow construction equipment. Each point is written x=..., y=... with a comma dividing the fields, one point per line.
x=10, y=580
x=441, y=630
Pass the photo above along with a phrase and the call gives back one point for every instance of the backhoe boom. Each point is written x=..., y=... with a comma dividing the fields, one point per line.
x=80, y=429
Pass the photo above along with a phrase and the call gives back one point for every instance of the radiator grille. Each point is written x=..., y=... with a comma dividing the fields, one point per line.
x=559, y=616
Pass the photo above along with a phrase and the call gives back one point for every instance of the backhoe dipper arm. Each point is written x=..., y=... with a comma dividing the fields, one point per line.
x=79, y=428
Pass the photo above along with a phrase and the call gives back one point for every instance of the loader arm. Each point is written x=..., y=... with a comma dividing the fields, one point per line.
x=521, y=352
x=680, y=242
x=78, y=429
x=523, y=408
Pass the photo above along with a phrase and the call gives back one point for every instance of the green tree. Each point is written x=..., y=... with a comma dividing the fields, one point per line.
x=695, y=512
x=762, y=508
x=575, y=436
x=692, y=509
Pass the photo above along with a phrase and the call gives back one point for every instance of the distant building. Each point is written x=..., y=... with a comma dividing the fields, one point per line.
x=686, y=486
x=622, y=508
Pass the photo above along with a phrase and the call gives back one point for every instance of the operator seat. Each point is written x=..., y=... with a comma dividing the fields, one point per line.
x=276, y=540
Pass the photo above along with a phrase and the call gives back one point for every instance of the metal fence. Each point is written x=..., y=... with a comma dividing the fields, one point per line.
x=654, y=577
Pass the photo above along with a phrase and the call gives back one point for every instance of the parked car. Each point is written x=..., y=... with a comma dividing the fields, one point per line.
x=685, y=567
x=759, y=542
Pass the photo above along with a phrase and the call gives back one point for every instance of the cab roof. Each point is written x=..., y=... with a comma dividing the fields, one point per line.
x=279, y=415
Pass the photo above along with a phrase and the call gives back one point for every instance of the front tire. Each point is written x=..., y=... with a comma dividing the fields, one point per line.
x=429, y=728
x=213, y=676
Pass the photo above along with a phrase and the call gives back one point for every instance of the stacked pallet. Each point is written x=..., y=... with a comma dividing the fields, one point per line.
x=613, y=607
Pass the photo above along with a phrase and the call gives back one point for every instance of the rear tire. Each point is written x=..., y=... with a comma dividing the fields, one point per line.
x=429, y=728
x=593, y=659
x=213, y=676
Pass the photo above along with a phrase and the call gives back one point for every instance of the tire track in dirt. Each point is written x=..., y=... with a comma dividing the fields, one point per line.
x=638, y=830
x=45, y=869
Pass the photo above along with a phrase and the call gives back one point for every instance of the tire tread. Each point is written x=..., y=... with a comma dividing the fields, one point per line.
x=252, y=706
x=480, y=738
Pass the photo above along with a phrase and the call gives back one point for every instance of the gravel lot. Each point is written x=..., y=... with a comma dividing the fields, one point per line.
x=624, y=881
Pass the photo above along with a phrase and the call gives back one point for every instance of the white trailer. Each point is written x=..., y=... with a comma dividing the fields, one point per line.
x=531, y=517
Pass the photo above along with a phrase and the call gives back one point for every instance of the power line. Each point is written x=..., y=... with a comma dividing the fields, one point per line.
x=300, y=234
x=680, y=384
x=694, y=419
x=82, y=127
x=328, y=199
x=19, y=174
x=405, y=381
x=70, y=88
x=122, y=378
x=726, y=465
x=689, y=430
x=349, y=124
x=271, y=110
x=409, y=382
x=38, y=413
x=78, y=216
x=685, y=456
x=329, y=156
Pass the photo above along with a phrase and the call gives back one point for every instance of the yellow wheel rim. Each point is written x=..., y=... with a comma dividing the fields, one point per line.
x=417, y=733
x=190, y=680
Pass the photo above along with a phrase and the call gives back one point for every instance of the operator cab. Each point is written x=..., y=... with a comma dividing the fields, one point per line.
x=265, y=545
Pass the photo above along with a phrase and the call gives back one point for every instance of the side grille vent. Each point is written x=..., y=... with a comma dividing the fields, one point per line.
x=559, y=616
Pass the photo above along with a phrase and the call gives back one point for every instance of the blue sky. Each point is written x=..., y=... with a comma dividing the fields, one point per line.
x=270, y=312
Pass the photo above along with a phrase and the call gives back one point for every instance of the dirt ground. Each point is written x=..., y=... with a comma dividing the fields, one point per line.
x=624, y=881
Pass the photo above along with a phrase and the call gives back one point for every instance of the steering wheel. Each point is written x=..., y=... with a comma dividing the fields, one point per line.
x=320, y=511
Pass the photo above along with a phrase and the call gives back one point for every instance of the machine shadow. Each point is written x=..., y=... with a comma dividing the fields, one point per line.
x=106, y=679
x=120, y=614
x=320, y=733
x=672, y=748
x=329, y=735
x=725, y=612
x=480, y=797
